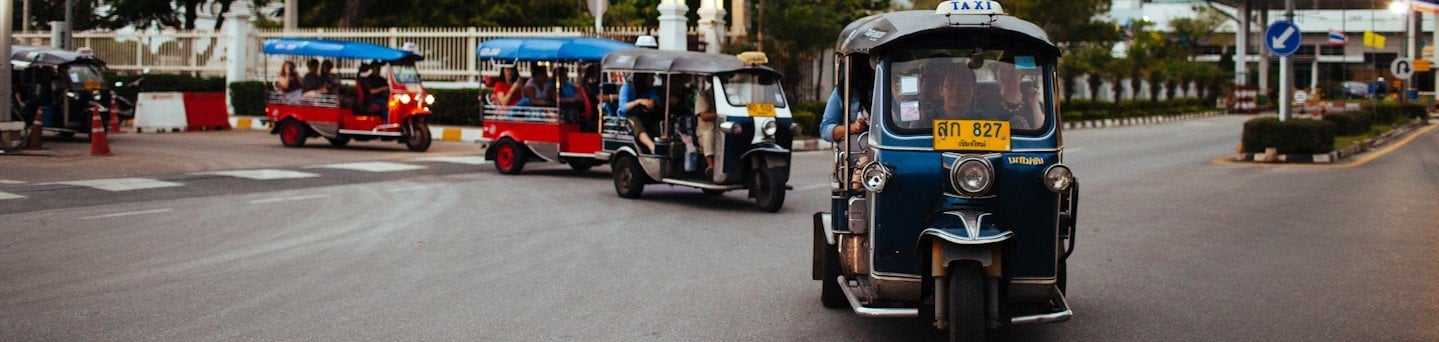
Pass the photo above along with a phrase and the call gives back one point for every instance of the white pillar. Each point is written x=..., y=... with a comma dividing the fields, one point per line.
x=1432, y=42
x=1241, y=46
x=5, y=22
x=711, y=24
x=740, y=21
x=237, y=34
x=673, y=25
x=292, y=15
x=1286, y=70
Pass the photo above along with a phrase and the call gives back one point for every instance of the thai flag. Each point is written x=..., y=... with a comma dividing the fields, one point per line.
x=1337, y=38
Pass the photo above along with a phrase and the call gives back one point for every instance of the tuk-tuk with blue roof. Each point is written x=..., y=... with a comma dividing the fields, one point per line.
x=714, y=122
x=393, y=108
x=951, y=201
x=555, y=127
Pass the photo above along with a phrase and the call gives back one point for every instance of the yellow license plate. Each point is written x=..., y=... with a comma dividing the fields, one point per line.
x=92, y=85
x=761, y=110
x=971, y=135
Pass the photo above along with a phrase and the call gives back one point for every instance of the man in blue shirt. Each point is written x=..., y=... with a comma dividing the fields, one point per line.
x=640, y=98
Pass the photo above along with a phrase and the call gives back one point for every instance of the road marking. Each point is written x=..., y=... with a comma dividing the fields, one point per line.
x=467, y=160
x=142, y=212
x=811, y=187
x=413, y=188
x=122, y=184
x=10, y=182
x=372, y=166
x=1369, y=156
x=6, y=195
x=284, y=199
x=262, y=174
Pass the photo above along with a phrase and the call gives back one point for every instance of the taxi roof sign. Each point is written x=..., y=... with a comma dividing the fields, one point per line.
x=960, y=7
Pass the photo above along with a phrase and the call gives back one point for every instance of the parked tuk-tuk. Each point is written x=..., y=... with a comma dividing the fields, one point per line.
x=953, y=204
x=517, y=133
x=752, y=125
x=68, y=86
x=396, y=110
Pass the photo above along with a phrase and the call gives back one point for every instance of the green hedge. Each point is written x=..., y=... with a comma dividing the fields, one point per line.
x=455, y=107
x=1351, y=122
x=808, y=114
x=248, y=97
x=1300, y=136
x=1079, y=110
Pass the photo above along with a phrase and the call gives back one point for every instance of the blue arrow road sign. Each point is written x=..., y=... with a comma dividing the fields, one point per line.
x=1282, y=38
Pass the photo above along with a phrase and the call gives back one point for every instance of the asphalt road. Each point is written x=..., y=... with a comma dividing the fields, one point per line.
x=1172, y=247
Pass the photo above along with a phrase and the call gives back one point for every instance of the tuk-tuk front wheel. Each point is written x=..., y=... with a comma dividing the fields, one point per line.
x=966, y=303
x=629, y=178
x=768, y=188
x=293, y=133
x=417, y=139
x=510, y=157
x=339, y=141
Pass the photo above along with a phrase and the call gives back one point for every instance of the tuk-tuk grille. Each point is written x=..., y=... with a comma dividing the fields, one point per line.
x=522, y=113
x=316, y=100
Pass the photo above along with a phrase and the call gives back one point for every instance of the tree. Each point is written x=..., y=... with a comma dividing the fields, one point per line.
x=796, y=31
x=43, y=12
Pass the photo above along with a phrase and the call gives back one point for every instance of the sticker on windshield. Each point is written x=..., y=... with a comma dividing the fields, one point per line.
x=908, y=85
x=909, y=111
x=1024, y=62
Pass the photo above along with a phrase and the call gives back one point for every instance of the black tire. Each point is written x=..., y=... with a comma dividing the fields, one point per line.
x=418, y=139
x=339, y=141
x=510, y=157
x=709, y=192
x=293, y=133
x=966, y=309
x=581, y=165
x=65, y=134
x=830, y=295
x=1062, y=277
x=768, y=188
x=629, y=178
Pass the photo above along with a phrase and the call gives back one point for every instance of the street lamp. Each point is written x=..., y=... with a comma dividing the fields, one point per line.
x=1399, y=7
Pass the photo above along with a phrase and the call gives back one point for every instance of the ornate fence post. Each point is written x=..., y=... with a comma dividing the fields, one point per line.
x=237, y=50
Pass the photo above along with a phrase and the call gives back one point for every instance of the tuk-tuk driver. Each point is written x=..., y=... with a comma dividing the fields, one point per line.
x=376, y=90
x=638, y=101
x=947, y=90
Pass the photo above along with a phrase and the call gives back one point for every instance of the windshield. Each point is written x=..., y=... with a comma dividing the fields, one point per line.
x=80, y=74
x=742, y=89
x=959, y=82
x=406, y=74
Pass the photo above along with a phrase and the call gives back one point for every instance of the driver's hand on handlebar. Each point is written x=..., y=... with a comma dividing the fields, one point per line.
x=859, y=125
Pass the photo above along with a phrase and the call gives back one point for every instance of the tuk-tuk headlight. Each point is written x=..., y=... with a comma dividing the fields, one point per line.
x=876, y=176
x=770, y=128
x=429, y=99
x=1058, y=179
x=404, y=98
x=972, y=176
x=729, y=128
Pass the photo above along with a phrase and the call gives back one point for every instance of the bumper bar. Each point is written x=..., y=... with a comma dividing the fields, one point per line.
x=1062, y=315
x=862, y=311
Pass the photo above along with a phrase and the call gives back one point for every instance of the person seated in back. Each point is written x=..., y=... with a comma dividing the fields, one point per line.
x=288, y=83
x=572, y=99
x=638, y=104
x=540, y=89
x=327, y=74
x=705, y=129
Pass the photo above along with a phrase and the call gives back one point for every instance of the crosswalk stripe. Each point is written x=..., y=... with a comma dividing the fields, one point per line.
x=262, y=174
x=372, y=166
x=6, y=195
x=467, y=160
x=122, y=184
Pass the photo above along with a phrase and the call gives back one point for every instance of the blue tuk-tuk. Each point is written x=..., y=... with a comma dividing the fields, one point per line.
x=951, y=202
x=558, y=129
x=746, y=124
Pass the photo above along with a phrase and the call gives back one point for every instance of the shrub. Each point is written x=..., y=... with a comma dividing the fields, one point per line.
x=455, y=107
x=1301, y=136
x=248, y=97
x=807, y=115
x=1350, y=123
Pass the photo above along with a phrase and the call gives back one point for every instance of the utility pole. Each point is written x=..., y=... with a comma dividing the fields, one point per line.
x=1286, y=70
x=292, y=15
x=9, y=130
x=65, y=42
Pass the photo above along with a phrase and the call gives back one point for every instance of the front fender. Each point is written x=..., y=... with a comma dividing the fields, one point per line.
x=774, y=157
x=962, y=235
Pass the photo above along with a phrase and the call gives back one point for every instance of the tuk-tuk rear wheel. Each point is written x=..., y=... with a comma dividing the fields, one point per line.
x=629, y=178
x=768, y=189
x=966, y=303
x=339, y=141
x=293, y=133
x=510, y=157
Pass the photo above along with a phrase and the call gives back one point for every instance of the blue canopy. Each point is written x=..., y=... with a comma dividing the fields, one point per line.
x=335, y=49
x=549, y=49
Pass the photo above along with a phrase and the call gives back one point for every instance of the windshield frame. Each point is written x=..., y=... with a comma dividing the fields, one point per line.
x=91, y=69
x=778, y=86
x=1044, y=62
x=395, y=73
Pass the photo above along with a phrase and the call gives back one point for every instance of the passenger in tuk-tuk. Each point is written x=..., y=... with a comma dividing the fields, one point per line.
x=638, y=105
x=540, y=89
x=704, y=109
x=1021, y=104
x=374, y=90
x=43, y=85
x=288, y=83
x=312, y=80
x=332, y=82
x=574, y=103
x=861, y=83
x=507, y=87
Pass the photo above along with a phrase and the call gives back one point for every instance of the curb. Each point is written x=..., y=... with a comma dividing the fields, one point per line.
x=1143, y=120
x=813, y=144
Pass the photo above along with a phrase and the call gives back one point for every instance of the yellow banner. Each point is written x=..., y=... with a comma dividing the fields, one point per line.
x=1373, y=40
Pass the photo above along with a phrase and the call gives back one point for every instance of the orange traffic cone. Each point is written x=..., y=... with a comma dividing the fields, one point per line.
x=114, y=116
x=99, y=144
x=36, y=130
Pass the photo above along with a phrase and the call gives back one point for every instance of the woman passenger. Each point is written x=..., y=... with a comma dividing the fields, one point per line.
x=506, y=88
x=288, y=84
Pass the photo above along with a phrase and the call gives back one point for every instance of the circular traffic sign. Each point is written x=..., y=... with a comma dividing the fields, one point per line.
x=1282, y=38
x=1301, y=96
x=1402, y=68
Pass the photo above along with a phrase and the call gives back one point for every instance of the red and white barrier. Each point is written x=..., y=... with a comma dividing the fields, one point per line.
x=168, y=112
